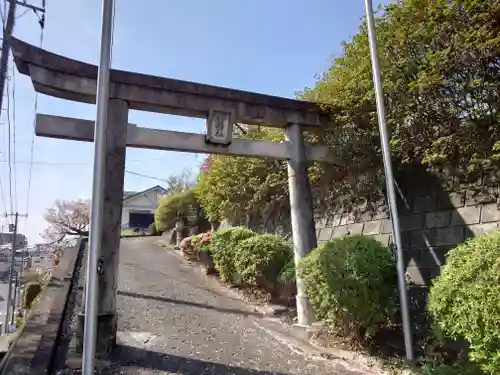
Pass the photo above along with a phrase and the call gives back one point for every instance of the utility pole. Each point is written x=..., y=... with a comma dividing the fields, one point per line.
x=7, y=36
x=13, y=229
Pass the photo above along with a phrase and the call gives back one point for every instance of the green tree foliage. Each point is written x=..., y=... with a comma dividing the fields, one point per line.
x=246, y=189
x=351, y=283
x=465, y=299
x=239, y=187
x=440, y=65
x=181, y=206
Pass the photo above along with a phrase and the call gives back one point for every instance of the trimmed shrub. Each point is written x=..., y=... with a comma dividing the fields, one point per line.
x=32, y=291
x=352, y=284
x=223, y=249
x=465, y=299
x=260, y=260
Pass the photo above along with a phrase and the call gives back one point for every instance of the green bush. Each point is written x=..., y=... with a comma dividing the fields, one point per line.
x=465, y=300
x=260, y=260
x=223, y=248
x=352, y=284
x=32, y=291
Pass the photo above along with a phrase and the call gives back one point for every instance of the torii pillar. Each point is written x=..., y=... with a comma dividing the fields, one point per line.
x=107, y=272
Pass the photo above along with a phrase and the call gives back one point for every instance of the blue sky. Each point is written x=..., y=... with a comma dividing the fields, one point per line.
x=275, y=47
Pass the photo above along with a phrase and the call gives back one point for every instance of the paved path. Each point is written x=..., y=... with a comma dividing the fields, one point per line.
x=173, y=321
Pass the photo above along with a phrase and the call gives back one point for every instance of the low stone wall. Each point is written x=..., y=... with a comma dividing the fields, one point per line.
x=35, y=349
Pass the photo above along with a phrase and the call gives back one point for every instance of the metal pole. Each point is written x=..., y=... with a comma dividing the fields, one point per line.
x=11, y=273
x=389, y=180
x=4, y=59
x=90, y=324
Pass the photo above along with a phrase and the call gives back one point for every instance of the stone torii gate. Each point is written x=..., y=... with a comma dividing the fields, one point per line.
x=69, y=79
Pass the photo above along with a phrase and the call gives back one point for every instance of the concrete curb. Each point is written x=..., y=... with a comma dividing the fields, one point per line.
x=299, y=340
x=266, y=310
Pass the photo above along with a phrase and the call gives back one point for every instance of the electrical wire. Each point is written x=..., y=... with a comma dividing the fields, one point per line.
x=145, y=176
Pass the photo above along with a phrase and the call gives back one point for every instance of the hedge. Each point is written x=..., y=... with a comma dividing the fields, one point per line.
x=260, y=260
x=465, y=299
x=352, y=284
x=223, y=248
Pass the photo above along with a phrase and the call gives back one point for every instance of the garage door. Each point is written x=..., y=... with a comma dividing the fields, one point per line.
x=140, y=220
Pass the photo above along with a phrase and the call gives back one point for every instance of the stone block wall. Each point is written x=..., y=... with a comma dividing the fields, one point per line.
x=434, y=218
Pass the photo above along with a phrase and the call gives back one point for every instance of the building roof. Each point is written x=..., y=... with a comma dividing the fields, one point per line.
x=127, y=195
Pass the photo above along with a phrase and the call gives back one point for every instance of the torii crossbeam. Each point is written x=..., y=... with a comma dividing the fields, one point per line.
x=69, y=79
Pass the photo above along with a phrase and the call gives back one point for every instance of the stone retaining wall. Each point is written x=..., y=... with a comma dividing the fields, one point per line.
x=434, y=217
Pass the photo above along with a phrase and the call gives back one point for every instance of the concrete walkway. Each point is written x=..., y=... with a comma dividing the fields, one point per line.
x=172, y=320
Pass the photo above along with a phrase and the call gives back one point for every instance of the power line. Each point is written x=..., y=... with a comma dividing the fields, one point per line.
x=145, y=176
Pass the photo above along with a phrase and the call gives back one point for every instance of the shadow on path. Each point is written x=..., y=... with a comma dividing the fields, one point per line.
x=188, y=303
x=173, y=364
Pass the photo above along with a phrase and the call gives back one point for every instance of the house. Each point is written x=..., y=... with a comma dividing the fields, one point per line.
x=139, y=208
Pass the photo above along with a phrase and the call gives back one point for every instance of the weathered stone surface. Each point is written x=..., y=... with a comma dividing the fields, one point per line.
x=346, y=230
x=451, y=200
x=348, y=218
x=466, y=215
x=412, y=222
x=425, y=203
x=437, y=237
x=325, y=234
x=481, y=195
x=489, y=213
x=412, y=257
x=422, y=275
x=480, y=229
x=433, y=256
x=384, y=239
x=356, y=228
x=372, y=227
x=381, y=212
x=386, y=226
x=437, y=219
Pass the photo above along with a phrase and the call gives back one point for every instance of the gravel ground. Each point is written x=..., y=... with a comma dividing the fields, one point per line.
x=172, y=320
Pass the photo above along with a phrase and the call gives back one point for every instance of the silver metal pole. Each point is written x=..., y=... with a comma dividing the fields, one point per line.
x=389, y=180
x=91, y=308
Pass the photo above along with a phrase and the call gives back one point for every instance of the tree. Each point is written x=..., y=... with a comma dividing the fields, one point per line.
x=179, y=183
x=66, y=220
x=440, y=65
x=440, y=72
